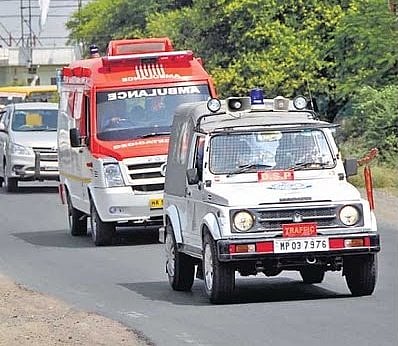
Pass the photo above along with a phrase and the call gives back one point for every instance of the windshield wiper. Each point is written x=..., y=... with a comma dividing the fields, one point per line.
x=248, y=167
x=309, y=164
x=153, y=134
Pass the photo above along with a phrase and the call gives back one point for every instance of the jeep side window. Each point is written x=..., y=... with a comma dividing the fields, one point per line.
x=198, y=164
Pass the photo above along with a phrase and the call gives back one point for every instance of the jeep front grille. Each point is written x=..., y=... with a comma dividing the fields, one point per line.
x=271, y=220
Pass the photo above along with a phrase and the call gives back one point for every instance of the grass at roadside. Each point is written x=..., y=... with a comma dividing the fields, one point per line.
x=384, y=178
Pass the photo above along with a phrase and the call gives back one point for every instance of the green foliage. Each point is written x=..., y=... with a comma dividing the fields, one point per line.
x=103, y=20
x=342, y=51
x=374, y=123
x=382, y=177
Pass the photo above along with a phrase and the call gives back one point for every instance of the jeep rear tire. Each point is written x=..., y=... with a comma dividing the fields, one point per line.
x=219, y=278
x=77, y=219
x=312, y=274
x=101, y=232
x=180, y=267
x=361, y=274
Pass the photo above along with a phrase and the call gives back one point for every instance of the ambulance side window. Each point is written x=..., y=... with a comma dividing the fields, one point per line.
x=86, y=112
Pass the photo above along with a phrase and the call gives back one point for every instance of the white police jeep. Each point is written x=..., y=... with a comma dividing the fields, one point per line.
x=261, y=188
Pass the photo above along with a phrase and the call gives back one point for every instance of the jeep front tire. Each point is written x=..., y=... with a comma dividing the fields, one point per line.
x=361, y=274
x=219, y=278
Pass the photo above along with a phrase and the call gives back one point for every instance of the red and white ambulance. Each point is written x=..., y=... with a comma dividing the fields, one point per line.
x=113, y=132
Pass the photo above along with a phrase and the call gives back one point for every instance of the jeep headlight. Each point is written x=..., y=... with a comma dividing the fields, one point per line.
x=17, y=149
x=113, y=175
x=349, y=215
x=243, y=221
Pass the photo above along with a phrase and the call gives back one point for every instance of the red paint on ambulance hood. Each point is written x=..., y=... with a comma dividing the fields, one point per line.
x=132, y=148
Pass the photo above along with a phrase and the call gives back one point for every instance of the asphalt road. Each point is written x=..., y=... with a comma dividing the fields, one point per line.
x=127, y=282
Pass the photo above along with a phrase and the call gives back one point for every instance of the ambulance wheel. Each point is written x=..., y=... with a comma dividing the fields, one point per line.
x=77, y=219
x=180, y=267
x=101, y=232
x=360, y=274
x=312, y=275
x=219, y=278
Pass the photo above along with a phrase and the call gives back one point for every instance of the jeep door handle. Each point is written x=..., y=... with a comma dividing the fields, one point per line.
x=187, y=192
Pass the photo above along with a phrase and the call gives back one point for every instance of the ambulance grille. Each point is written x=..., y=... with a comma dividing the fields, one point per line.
x=146, y=177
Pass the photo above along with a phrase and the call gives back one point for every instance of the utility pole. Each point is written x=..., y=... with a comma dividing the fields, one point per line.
x=28, y=37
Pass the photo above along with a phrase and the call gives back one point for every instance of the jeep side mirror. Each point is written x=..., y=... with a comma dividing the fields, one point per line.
x=351, y=167
x=192, y=176
x=74, y=136
x=2, y=127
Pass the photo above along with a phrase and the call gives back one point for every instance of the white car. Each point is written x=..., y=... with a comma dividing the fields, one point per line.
x=28, y=143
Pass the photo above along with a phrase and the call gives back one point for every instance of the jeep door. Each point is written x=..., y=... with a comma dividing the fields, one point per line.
x=194, y=194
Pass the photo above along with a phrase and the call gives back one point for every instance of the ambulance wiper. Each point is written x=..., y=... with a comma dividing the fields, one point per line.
x=153, y=134
x=248, y=167
x=309, y=164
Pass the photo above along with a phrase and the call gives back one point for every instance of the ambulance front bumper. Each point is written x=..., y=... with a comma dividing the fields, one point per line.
x=120, y=204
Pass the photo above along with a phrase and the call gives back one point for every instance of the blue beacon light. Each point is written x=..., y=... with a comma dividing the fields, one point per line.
x=257, y=96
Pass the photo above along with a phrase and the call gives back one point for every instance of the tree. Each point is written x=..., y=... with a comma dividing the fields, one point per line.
x=103, y=20
x=365, y=47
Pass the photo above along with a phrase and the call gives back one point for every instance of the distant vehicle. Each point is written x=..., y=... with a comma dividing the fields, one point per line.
x=37, y=93
x=28, y=143
x=261, y=188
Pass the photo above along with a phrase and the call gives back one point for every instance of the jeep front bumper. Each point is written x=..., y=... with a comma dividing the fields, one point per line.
x=297, y=248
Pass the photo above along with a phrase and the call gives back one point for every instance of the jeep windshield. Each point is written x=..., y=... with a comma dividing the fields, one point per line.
x=24, y=120
x=136, y=113
x=236, y=153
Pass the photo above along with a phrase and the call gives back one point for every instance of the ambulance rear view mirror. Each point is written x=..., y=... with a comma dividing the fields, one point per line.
x=351, y=167
x=74, y=136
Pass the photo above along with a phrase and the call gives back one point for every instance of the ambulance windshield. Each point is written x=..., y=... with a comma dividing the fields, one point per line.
x=135, y=113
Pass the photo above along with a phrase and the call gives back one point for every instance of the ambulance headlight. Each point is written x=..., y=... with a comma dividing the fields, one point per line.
x=349, y=215
x=113, y=175
x=243, y=221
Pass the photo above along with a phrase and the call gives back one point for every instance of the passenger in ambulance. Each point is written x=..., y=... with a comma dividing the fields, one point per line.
x=156, y=111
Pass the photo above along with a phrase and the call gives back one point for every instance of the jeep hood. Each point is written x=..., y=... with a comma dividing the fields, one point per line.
x=253, y=194
x=36, y=139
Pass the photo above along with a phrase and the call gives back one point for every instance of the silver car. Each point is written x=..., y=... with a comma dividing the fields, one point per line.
x=28, y=143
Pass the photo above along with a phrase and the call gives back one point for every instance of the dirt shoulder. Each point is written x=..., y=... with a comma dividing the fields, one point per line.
x=30, y=318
